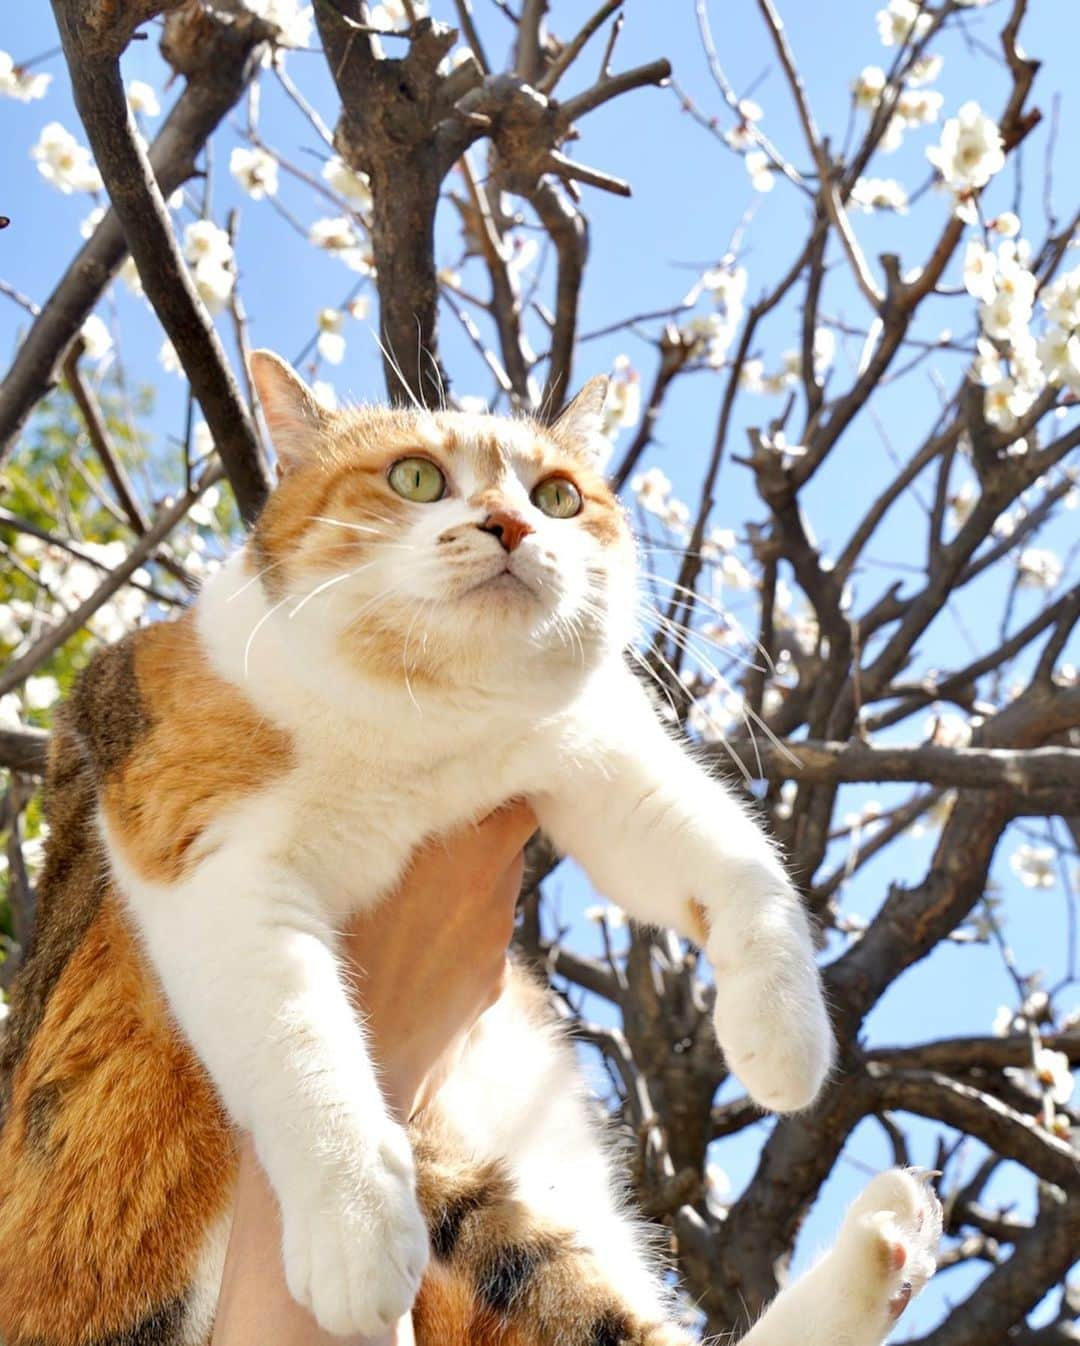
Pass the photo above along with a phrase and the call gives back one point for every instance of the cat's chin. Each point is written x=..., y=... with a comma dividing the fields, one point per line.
x=504, y=589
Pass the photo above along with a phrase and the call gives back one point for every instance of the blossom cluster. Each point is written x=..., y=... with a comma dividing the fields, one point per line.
x=1012, y=364
x=19, y=83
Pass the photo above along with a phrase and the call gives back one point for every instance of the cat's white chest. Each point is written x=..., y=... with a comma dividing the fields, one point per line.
x=352, y=820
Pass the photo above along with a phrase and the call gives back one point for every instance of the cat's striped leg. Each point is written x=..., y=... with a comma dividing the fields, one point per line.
x=531, y=1242
x=500, y=1274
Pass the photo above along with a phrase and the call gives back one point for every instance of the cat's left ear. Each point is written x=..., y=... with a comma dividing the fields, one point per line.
x=580, y=427
x=296, y=418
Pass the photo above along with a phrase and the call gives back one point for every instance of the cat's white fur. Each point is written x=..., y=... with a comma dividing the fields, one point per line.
x=245, y=943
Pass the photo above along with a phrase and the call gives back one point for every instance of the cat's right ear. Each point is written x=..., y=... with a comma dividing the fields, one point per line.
x=293, y=412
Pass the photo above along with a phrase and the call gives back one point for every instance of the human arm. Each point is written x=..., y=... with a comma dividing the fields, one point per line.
x=424, y=966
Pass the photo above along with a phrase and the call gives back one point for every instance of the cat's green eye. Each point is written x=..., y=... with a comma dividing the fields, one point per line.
x=417, y=479
x=557, y=497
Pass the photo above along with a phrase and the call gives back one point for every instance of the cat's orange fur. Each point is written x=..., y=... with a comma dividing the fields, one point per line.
x=115, y=1154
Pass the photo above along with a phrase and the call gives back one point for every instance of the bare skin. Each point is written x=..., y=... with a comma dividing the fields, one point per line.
x=427, y=963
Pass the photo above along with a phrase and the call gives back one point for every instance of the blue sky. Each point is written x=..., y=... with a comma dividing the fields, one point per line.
x=690, y=195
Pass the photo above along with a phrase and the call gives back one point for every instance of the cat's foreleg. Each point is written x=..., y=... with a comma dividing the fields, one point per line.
x=883, y=1256
x=658, y=835
x=249, y=969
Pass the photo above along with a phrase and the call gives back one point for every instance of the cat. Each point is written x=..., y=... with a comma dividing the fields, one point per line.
x=428, y=619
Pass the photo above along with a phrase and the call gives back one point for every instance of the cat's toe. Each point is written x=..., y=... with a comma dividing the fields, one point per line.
x=774, y=1029
x=891, y=1234
x=355, y=1242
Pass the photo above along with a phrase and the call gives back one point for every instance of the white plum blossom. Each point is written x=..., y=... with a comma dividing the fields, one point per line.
x=946, y=729
x=1034, y=866
x=1007, y=224
x=97, y=340
x=169, y=360
x=339, y=236
x=142, y=99
x=868, y=86
x=971, y=149
x=1059, y=354
x=204, y=241
x=1038, y=568
x=652, y=489
x=718, y=711
x=980, y=271
x=39, y=693
x=91, y=222
x=605, y=914
x=925, y=69
x=1054, y=1074
x=717, y=1189
x=918, y=107
x=871, y=194
x=1049, y=1075
x=13, y=618
x=622, y=407
x=1061, y=300
x=20, y=84
x=726, y=286
x=354, y=187
x=65, y=163
x=961, y=502
x=10, y=712
x=256, y=170
x=824, y=351
x=393, y=14
x=899, y=21
x=208, y=250
x=732, y=574
x=325, y=394
x=986, y=368
x=293, y=21
x=1009, y=311
x=331, y=342
x=760, y=168
x=1006, y=401
x=708, y=337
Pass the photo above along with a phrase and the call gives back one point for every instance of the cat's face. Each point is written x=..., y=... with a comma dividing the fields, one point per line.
x=428, y=540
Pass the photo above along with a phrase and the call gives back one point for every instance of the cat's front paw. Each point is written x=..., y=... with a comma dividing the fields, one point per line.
x=888, y=1241
x=770, y=1016
x=355, y=1242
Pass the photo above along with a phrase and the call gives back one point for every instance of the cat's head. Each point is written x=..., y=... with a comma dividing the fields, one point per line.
x=433, y=540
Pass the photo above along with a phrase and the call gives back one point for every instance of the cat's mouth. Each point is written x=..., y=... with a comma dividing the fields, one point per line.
x=504, y=582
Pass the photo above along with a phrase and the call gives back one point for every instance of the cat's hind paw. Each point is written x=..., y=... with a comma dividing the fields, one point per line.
x=888, y=1241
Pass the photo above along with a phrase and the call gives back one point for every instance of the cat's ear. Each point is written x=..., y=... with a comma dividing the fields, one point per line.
x=580, y=427
x=293, y=413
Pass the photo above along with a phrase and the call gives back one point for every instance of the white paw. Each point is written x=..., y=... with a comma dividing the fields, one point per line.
x=355, y=1243
x=889, y=1240
x=770, y=1017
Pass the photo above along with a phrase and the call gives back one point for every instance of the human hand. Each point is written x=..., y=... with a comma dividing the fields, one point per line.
x=424, y=966
x=429, y=960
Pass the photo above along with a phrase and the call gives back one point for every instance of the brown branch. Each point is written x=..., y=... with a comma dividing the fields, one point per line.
x=569, y=231
x=570, y=52
x=826, y=763
x=136, y=197
x=1040, y=1258
x=974, y=1053
x=216, y=80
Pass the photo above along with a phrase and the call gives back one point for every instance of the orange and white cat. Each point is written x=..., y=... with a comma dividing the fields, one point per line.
x=428, y=620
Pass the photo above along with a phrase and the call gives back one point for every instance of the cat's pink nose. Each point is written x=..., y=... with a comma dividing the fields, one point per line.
x=510, y=528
